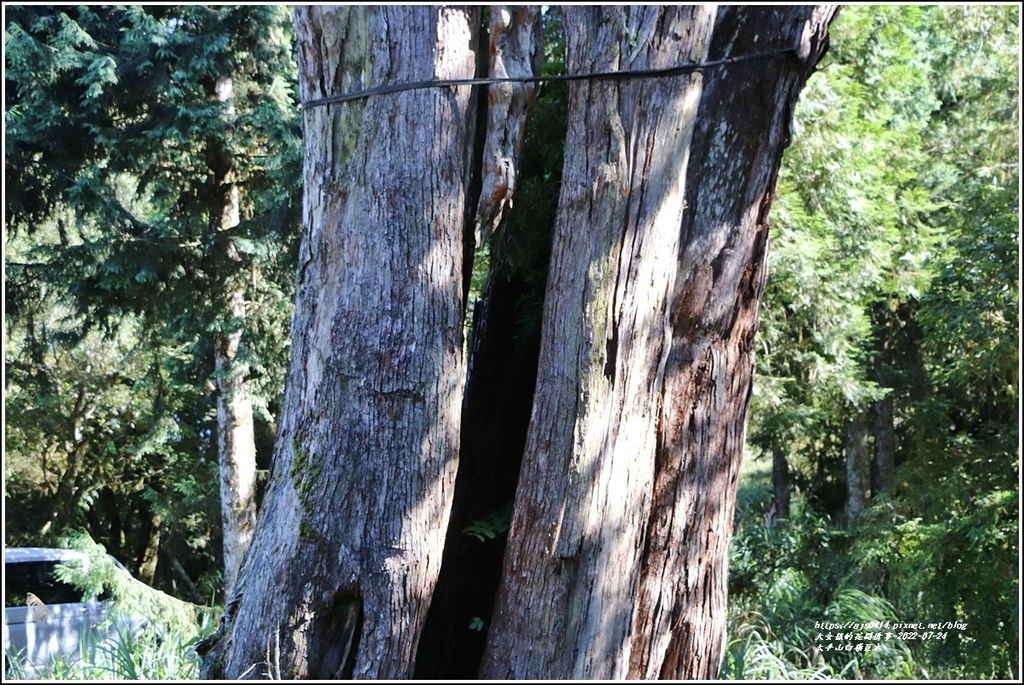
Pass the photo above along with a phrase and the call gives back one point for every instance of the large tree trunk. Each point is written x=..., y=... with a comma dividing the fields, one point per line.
x=348, y=545
x=616, y=564
x=570, y=567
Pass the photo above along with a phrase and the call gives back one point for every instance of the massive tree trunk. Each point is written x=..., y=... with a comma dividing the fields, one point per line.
x=348, y=545
x=743, y=128
x=616, y=563
x=570, y=566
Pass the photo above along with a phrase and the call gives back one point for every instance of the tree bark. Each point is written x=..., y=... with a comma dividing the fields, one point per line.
x=570, y=567
x=780, y=482
x=501, y=369
x=149, y=546
x=236, y=444
x=616, y=563
x=883, y=428
x=348, y=543
x=885, y=445
x=68, y=493
x=858, y=464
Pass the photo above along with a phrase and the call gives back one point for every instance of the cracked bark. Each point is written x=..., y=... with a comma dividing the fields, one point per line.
x=347, y=547
x=616, y=563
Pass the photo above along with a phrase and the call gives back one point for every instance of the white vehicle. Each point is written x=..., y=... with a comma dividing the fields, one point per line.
x=44, y=617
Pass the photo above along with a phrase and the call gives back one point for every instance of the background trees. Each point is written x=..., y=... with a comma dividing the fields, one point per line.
x=904, y=171
x=150, y=171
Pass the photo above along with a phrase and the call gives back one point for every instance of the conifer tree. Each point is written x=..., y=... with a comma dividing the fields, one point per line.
x=162, y=144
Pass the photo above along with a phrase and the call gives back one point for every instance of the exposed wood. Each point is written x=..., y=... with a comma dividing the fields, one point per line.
x=514, y=50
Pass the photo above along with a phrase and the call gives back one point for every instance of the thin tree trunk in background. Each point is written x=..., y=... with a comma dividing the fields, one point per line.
x=883, y=427
x=858, y=464
x=194, y=595
x=885, y=445
x=780, y=482
x=76, y=447
x=149, y=547
x=348, y=544
x=617, y=557
x=236, y=443
x=236, y=438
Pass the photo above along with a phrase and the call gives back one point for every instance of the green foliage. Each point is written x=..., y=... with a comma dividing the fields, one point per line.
x=962, y=569
x=851, y=229
x=122, y=656
x=756, y=653
x=121, y=146
x=490, y=526
x=102, y=577
x=895, y=274
x=888, y=568
x=786, y=583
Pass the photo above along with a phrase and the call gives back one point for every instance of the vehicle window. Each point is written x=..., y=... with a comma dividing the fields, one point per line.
x=39, y=578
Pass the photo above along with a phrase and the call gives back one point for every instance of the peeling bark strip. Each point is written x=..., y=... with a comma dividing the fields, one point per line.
x=348, y=545
x=616, y=561
x=514, y=51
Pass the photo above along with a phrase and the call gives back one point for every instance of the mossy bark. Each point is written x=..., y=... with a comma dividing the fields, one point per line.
x=348, y=543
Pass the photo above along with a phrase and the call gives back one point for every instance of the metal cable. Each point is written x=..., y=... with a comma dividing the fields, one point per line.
x=598, y=76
